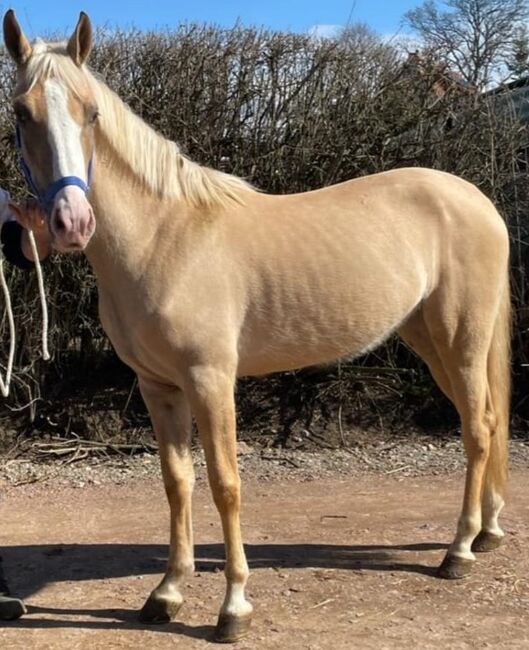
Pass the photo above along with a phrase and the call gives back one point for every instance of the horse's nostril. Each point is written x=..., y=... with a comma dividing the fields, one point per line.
x=60, y=224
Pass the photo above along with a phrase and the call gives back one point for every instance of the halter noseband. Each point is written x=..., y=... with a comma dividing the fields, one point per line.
x=47, y=197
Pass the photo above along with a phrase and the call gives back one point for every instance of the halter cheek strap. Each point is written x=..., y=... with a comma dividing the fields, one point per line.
x=47, y=197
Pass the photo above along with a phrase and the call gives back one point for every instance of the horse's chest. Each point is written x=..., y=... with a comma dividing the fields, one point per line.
x=141, y=339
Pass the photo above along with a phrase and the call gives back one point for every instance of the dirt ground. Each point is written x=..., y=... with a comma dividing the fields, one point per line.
x=338, y=562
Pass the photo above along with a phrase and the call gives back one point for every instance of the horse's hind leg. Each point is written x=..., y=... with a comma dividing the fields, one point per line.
x=171, y=420
x=415, y=334
x=491, y=534
x=492, y=502
x=466, y=388
x=478, y=363
x=460, y=362
x=469, y=384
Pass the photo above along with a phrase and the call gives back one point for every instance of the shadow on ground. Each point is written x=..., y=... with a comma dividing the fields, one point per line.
x=30, y=568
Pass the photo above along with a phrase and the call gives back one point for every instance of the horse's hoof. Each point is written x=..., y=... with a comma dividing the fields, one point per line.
x=11, y=608
x=159, y=610
x=486, y=542
x=455, y=568
x=231, y=628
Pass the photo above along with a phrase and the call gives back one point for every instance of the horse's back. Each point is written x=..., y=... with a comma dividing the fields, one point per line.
x=333, y=272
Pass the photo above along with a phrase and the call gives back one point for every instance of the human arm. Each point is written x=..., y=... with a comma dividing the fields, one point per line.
x=15, y=221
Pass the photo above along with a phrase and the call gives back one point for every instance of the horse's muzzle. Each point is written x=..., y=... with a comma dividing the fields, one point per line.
x=72, y=222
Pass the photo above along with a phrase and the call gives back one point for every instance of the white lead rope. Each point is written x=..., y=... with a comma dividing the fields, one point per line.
x=42, y=295
x=5, y=384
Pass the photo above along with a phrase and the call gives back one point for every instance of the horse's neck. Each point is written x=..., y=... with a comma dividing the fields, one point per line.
x=128, y=219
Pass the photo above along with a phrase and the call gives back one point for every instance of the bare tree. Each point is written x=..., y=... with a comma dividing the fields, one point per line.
x=518, y=66
x=476, y=37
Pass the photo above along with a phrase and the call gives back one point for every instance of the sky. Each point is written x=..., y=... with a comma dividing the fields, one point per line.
x=59, y=16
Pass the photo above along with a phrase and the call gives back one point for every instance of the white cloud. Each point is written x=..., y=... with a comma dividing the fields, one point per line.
x=408, y=41
x=325, y=31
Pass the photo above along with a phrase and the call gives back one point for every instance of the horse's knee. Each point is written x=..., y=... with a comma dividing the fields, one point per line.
x=226, y=493
x=178, y=489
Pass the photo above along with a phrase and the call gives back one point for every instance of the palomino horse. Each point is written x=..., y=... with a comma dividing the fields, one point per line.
x=203, y=279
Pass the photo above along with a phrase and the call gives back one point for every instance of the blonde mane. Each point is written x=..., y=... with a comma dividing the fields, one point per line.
x=157, y=162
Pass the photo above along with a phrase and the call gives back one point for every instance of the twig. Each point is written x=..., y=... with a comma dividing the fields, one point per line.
x=81, y=448
x=398, y=469
x=323, y=602
x=129, y=396
x=332, y=517
x=340, y=427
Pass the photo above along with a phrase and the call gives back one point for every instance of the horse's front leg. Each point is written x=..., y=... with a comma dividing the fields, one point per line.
x=171, y=419
x=211, y=393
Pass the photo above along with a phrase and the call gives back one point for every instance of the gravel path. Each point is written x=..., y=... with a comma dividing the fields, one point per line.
x=401, y=457
x=337, y=563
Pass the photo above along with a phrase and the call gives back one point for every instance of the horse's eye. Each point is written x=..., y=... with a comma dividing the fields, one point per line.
x=22, y=113
x=93, y=114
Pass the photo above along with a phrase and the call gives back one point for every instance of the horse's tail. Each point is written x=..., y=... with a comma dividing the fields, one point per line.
x=499, y=382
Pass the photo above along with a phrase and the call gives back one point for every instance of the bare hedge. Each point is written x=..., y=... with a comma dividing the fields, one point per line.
x=289, y=113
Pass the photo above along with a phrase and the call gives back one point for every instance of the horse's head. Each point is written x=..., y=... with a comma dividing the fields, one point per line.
x=56, y=114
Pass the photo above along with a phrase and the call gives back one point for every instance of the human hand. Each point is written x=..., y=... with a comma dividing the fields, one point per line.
x=29, y=215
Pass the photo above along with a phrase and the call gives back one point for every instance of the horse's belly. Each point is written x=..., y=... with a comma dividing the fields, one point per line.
x=289, y=357
x=330, y=293
x=306, y=339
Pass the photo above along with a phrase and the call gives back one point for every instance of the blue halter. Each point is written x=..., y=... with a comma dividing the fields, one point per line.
x=47, y=197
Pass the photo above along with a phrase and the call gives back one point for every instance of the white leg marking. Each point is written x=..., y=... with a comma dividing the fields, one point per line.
x=492, y=506
x=235, y=603
x=467, y=529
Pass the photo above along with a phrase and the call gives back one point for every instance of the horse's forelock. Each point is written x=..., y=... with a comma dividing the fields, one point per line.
x=51, y=59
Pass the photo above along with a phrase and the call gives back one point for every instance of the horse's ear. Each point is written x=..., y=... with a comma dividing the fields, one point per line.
x=80, y=43
x=15, y=40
